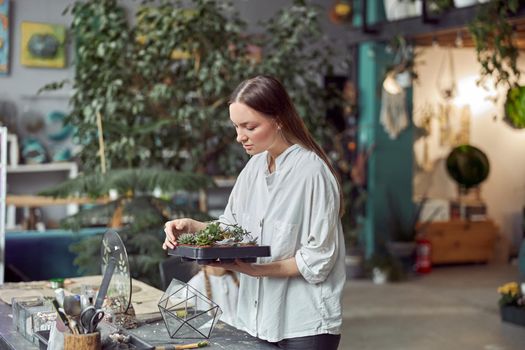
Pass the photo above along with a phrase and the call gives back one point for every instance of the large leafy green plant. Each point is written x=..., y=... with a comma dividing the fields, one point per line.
x=160, y=88
x=163, y=109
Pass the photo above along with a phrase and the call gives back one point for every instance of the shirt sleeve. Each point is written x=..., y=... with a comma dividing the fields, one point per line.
x=318, y=254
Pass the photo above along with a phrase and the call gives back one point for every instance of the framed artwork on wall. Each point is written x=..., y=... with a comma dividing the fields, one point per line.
x=43, y=45
x=4, y=37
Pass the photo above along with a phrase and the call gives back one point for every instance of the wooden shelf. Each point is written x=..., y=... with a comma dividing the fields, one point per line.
x=44, y=167
x=41, y=201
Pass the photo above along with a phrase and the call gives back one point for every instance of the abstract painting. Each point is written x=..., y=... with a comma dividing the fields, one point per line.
x=43, y=45
x=4, y=37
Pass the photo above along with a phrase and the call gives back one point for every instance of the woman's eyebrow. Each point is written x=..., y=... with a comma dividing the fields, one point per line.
x=242, y=124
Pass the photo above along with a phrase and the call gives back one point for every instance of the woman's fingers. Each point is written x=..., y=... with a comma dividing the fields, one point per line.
x=168, y=244
x=172, y=229
x=182, y=225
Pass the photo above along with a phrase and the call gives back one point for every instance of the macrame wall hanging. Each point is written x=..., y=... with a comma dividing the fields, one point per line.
x=463, y=135
x=423, y=131
x=447, y=88
x=393, y=115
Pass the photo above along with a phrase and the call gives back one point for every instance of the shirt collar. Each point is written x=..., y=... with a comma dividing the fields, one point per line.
x=281, y=158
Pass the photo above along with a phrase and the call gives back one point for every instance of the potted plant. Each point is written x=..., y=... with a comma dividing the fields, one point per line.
x=383, y=267
x=218, y=234
x=356, y=196
x=512, y=303
x=219, y=242
x=497, y=54
x=403, y=233
x=440, y=6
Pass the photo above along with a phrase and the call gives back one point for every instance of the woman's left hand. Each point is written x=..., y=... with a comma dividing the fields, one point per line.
x=239, y=266
x=281, y=268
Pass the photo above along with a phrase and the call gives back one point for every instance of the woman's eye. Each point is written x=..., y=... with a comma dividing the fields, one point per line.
x=250, y=128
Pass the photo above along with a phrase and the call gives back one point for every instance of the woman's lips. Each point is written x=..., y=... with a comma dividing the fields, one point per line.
x=247, y=146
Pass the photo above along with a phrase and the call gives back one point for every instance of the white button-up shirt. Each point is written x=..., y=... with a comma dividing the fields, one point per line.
x=295, y=210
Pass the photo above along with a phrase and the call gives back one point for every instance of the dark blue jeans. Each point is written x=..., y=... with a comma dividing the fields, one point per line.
x=313, y=342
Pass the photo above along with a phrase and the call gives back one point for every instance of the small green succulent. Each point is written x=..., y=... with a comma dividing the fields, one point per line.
x=236, y=232
x=213, y=233
x=186, y=238
x=203, y=238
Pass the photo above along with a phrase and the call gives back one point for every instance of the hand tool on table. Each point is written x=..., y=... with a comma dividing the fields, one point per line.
x=200, y=344
x=63, y=317
x=89, y=318
x=102, y=291
x=92, y=315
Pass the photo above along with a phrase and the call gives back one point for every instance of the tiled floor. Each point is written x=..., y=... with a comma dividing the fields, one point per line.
x=452, y=308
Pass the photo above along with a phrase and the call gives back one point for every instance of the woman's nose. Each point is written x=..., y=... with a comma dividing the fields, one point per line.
x=241, y=137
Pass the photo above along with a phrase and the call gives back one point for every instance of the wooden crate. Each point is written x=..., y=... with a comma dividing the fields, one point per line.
x=460, y=241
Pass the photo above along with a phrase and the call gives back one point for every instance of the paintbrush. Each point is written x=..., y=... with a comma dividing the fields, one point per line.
x=63, y=317
x=200, y=344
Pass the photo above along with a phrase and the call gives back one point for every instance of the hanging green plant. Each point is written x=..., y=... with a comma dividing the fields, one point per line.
x=515, y=107
x=497, y=54
x=493, y=37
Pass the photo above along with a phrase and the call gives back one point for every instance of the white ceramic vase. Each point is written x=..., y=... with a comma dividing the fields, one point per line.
x=464, y=3
x=399, y=9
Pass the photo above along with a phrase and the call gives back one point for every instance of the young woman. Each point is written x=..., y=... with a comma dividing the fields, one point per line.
x=289, y=198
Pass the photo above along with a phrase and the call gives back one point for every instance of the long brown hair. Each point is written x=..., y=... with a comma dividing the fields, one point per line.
x=267, y=95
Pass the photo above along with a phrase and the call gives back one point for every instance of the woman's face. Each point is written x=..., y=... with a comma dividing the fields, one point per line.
x=256, y=132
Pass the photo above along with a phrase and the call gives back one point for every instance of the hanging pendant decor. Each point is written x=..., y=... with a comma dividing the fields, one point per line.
x=515, y=107
x=393, y=115
x=447, y=88
x=468, y=166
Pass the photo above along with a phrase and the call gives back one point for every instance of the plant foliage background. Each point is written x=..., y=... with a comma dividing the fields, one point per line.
x=160, y=84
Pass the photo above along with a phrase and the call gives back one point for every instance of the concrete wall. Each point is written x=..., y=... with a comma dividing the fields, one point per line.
x=504, y=190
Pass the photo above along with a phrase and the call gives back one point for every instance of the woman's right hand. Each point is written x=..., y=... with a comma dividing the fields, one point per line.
x=174, y=228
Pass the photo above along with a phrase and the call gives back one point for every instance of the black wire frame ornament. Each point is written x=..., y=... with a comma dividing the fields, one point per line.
x=187, y=313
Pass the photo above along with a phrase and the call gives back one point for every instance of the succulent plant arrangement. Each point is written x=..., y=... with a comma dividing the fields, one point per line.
x=218, y=234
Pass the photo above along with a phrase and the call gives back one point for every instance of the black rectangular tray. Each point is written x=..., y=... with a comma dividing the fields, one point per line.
x=206, y=255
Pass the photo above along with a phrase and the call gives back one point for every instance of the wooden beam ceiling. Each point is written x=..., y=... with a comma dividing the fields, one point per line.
x=452, y=36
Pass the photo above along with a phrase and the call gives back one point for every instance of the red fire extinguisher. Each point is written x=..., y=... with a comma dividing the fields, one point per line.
x=423, y=254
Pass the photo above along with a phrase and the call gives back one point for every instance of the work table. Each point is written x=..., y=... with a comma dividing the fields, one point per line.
x=154, y=333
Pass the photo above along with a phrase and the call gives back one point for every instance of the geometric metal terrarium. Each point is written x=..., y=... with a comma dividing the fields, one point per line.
x=187, y=313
